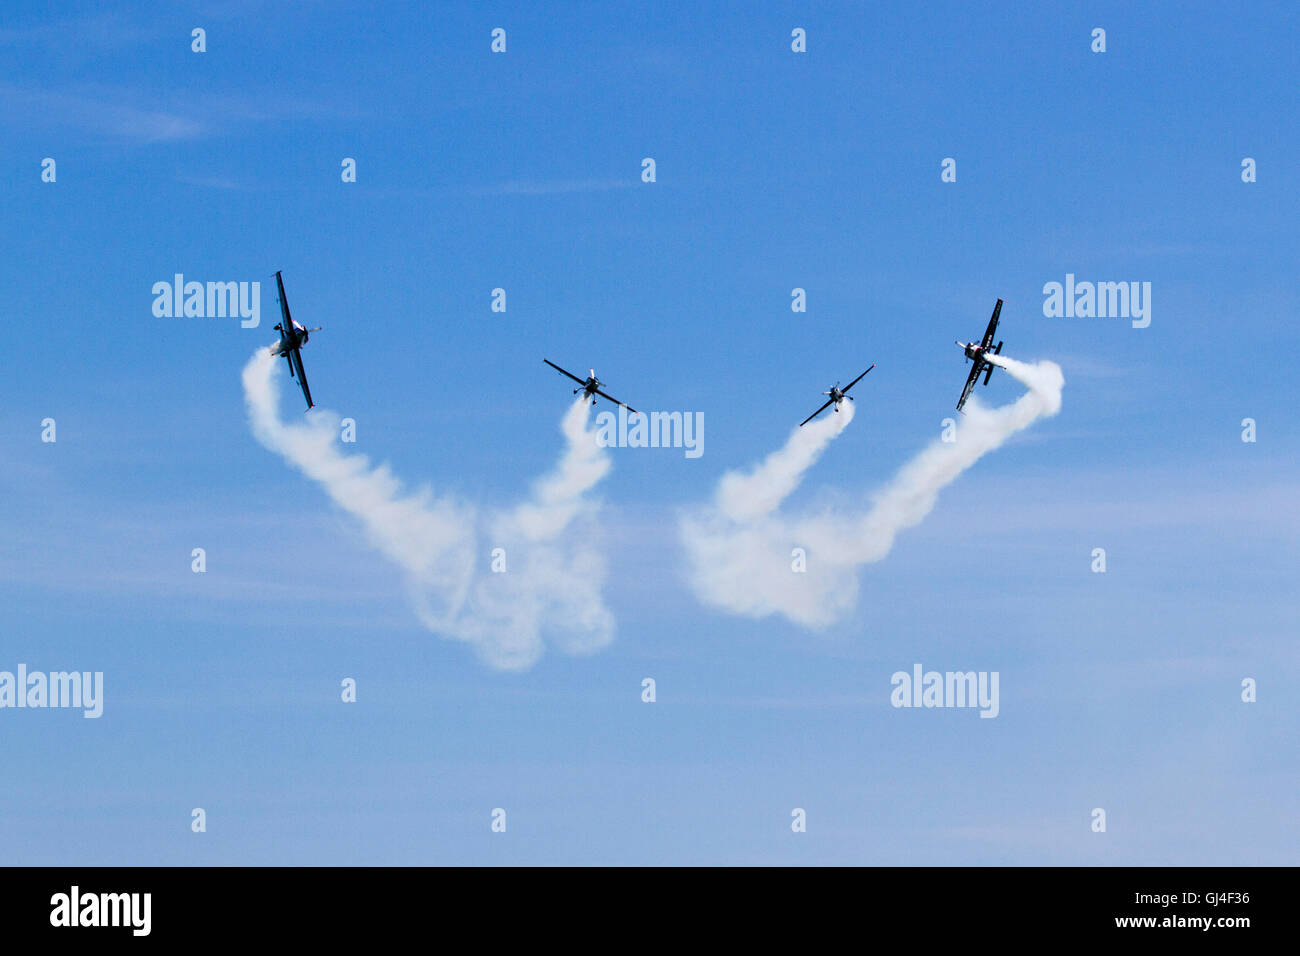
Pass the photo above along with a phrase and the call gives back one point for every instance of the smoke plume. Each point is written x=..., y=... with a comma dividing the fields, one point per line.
x=740, y=548
x=545, y=582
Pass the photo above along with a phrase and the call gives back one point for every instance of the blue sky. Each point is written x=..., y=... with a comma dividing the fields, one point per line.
x=775, y=170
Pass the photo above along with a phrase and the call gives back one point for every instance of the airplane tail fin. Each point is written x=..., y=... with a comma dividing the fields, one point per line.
x=998, y=350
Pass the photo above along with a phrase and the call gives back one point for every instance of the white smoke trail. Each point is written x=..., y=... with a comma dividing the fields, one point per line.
x=553, y=577
x=740, y=554
x=744, y=497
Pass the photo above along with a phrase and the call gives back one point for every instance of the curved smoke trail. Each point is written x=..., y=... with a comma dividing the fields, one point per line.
x=552, y=581
x=739, y=547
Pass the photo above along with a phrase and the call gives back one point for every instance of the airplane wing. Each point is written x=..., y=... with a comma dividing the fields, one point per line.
x=856, y=380
x=302, y=378
x=580, y=381
x=612, y=399
x=976, y=369
x=287, y=324
x=828, y=404
x=993, y=325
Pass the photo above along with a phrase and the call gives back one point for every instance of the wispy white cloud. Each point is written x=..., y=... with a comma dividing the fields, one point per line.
x=212, y=182
x=132, y=115
x=85, y=35
x=102, y=112
x=554, y=187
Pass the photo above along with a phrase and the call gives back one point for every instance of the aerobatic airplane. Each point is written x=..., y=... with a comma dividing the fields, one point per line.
x=292, y=338
x=590, y=387
x=837, y=395
x=976, y=354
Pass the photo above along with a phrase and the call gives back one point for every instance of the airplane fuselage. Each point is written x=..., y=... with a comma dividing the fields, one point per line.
x=290, y=340
x=590, y=385
x=836, y=398
x=973, y=350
